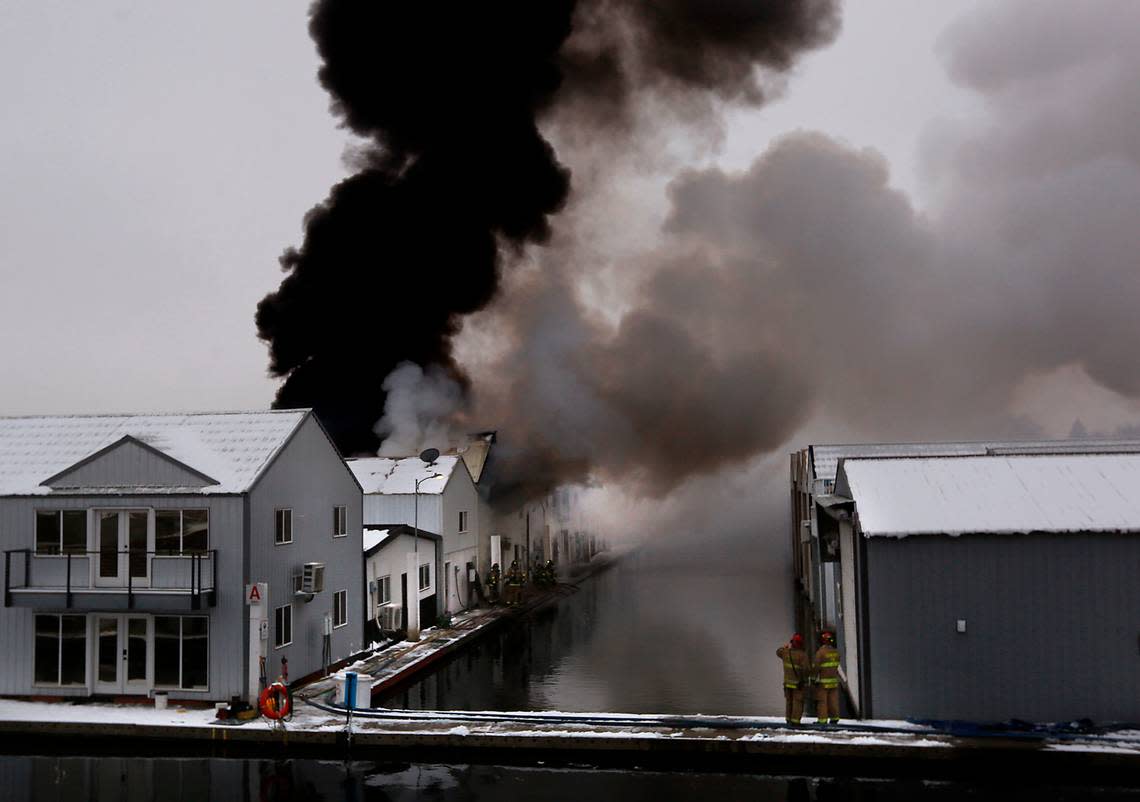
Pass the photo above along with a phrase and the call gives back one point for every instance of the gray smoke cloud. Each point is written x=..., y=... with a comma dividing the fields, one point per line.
x=807, y=290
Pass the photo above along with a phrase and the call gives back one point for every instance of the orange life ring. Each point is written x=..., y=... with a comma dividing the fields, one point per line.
x=274, y=701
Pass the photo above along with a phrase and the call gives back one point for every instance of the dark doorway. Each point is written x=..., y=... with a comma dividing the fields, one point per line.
x=404, y=596
x=428, y=614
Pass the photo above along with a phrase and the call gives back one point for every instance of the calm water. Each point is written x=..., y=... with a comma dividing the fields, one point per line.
x=68, y=779
x=667, y=630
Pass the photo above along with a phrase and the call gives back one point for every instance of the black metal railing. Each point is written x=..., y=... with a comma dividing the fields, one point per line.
x=137, y=572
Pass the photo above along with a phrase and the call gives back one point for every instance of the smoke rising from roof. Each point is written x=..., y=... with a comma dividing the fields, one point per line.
x=807, y=294
x=457, y=170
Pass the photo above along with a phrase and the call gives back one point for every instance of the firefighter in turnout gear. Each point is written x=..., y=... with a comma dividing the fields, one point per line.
x=797, y=672
x=514, y=584
x=827, y=680
x=493, y=584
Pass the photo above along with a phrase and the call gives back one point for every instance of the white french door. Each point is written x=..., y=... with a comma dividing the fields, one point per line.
x=123, y=545
x=122, y=653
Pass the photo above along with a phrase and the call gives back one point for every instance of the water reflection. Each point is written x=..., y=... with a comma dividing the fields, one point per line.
x=664, y=631
x=48, y=779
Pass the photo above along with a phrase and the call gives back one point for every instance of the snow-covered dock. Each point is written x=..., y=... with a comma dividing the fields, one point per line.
x=754, y=744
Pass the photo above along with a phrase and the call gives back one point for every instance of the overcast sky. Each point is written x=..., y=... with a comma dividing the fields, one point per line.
x=155, y=159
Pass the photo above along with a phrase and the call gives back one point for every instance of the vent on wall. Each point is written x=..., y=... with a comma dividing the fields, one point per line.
x=313, y=578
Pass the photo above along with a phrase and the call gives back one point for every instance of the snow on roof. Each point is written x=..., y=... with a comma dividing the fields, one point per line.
x=374, y=537
x=994, y=494
x=825, y=458
x=386, y=476
x=230, y=447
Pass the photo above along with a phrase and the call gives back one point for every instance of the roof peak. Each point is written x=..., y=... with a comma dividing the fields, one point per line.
x=167, y=414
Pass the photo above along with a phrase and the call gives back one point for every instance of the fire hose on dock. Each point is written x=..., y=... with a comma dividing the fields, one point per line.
x=959, y=729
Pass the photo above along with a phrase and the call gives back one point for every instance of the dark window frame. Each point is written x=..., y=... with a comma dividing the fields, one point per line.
x=340, y=609
x=61, y=548
x=340, y=520
x=59, y=651
x=182, y=551
x=424, y=576
x=282, y=526
x=182, y=636
x=384, y=589
x=282, y=620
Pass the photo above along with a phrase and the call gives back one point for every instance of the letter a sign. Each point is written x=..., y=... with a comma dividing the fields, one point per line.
x=253, y=594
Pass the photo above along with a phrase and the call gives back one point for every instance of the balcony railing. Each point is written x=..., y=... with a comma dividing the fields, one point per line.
x=131, y=572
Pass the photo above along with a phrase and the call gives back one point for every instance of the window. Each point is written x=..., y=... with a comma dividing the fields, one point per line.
x=61, y=532
x=425, y=577
x=340, y=608
x=282, y=626
x=463, y=521
x=283, y=527
x=181, y=532
x=384, y=589
x=340, y=521
x=61, y=650
x=181, y=651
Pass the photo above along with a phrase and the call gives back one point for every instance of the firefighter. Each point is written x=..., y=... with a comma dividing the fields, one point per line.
x=797, y=671
x=514, y=584
x=551, y=574
x=493, y=584
x=827, y=679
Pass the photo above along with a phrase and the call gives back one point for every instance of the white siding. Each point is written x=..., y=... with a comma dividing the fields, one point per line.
x=849, y=609
x=401, y=509
x=309, y=478
x=392, y=561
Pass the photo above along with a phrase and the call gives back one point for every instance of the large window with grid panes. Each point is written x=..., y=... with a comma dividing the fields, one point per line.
x=61, y=532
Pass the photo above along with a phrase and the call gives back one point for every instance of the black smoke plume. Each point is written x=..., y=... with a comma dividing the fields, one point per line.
x=450, y=98
x=398, y=252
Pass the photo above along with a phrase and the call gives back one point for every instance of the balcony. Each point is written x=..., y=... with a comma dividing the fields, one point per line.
x=110, y=580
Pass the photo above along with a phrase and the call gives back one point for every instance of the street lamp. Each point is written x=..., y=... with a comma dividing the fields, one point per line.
x=429, y=456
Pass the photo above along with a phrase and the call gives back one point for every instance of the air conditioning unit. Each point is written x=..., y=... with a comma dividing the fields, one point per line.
x=390, y=617
x=313, y=578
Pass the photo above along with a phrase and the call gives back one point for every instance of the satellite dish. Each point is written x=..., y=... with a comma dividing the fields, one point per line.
x=429, y=455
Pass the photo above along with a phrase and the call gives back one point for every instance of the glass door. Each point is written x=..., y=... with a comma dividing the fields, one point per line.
x=122, y=540
x=122, y=654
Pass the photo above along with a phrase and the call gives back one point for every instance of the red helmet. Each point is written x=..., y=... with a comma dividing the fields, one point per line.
x=827, y=637
x=797, y=640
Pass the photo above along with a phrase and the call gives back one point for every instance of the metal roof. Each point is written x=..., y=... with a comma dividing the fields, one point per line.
x=387, y=476
x=231, y=448
x=377, y=538
x=825, y=458
x=994, y=494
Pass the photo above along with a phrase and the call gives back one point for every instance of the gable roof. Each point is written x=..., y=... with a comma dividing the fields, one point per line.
x=190, y=477
x=994, y=494
x=379, y=537
x=475, y=453
x=386, y=476
x=231, y=449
